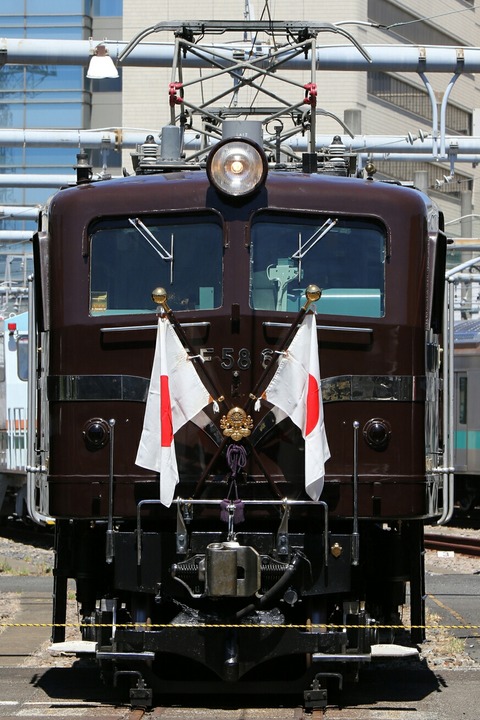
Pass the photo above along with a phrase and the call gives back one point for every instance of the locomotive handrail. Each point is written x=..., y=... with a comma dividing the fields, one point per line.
x=285, y=502
x=267, y=323
x=125, y=328
x=337, y=328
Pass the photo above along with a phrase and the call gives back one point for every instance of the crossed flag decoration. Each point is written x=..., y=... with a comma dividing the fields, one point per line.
x=177, y=394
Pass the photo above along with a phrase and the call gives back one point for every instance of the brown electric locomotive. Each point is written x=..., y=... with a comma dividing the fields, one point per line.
x=221, y=567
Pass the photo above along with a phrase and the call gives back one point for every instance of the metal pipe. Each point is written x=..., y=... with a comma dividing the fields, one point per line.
x=386, y=58
x=448, y=323
x=376, y=147
x=355, y=533
x=467, y=278
x=451, y=410
x=433, y=103
x=449, y=384
x=400, y=144
x=443, y=112
x=19, y=212
x=15, y=235
x=31, y=180
x=445, y=414
x=463, y=266
x=109, y=553
x=33, y=470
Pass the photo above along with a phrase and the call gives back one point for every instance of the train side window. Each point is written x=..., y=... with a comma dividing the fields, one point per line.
x=345, y=257
x=462, y=400
x=2, y=357
x=22, y=357
x=130, y=257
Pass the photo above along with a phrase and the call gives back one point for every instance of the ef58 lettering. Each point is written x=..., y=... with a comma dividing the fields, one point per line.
x=236, y=359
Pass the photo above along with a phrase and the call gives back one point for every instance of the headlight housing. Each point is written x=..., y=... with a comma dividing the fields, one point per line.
x=237, y=167
x=377, y=433
x=96, y=433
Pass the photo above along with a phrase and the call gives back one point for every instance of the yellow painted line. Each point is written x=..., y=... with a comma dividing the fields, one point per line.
x=456, y=615
x=153, y=626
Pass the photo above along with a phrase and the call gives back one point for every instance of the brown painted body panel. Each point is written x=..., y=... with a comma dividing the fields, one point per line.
x=391, y=482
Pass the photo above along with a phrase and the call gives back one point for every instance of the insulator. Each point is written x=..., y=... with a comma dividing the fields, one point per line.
x=336, y=148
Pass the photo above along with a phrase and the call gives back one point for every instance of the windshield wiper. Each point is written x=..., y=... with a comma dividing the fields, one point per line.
x=304, y=248
x=154, y=242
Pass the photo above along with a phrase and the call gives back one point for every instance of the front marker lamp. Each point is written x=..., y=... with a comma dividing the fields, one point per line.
x=237, y=167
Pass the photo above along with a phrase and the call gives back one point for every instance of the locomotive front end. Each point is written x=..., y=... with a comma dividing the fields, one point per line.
x=237, y=400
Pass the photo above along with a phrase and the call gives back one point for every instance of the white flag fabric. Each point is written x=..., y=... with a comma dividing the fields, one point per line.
x=295, y=389
x=176, y=394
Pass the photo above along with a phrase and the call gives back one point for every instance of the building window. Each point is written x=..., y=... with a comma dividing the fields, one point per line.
x=414, y=99
x=408, y=27
x=108, y=8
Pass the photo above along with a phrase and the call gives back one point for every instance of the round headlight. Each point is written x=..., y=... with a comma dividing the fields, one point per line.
x=96, y=433
x=377, y=433
x=237, y=167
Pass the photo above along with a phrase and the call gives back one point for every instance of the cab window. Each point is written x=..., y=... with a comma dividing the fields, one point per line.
x=130, y=257
x=345, y=257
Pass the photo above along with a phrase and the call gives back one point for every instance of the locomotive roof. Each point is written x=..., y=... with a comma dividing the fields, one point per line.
x=138, y=188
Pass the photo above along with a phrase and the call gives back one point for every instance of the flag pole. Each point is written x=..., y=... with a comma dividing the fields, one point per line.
x=159, y=296
x=313, y=293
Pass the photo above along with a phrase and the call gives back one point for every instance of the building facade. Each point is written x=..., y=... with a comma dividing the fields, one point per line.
x=375, y=103
x=52, y=96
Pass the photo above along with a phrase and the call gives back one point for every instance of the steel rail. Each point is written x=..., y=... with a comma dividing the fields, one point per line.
x=456, y=543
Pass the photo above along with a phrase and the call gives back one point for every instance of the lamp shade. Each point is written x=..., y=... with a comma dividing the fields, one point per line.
x=101, y=65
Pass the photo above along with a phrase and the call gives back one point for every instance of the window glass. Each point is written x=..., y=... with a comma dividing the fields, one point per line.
x=344, y=257
x=57, y=78
x=70, y=30
x=131, y=257
x=108, y=7
x=11, y=7
x=108, y=84
x=41, y=115
x=462, y=400
x=57, y=7
x=2, y=357
x=57, y=157
x=22, y=357
x=12, y=115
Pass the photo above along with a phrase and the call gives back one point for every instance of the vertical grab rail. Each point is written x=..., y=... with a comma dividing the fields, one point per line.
x=109, y=553
x=355, y=533
x=448, y=383
x=34, y=471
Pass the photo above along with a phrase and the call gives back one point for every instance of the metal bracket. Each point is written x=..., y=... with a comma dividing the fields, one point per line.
x=316, y=697
x=283, y=546
x=181, y=534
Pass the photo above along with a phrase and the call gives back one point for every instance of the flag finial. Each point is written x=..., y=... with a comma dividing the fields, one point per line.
x=312, y=293
x=159, y=297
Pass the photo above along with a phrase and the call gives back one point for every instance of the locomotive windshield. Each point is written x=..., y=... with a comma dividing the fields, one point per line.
x=129, y=257
x=343, y=256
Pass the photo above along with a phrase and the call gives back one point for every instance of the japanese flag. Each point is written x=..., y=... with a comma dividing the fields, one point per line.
x=295, y=390
x=175, y=396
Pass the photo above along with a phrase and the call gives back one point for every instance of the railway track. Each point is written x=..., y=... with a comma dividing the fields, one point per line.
x=397, y=713
x=456, y=543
